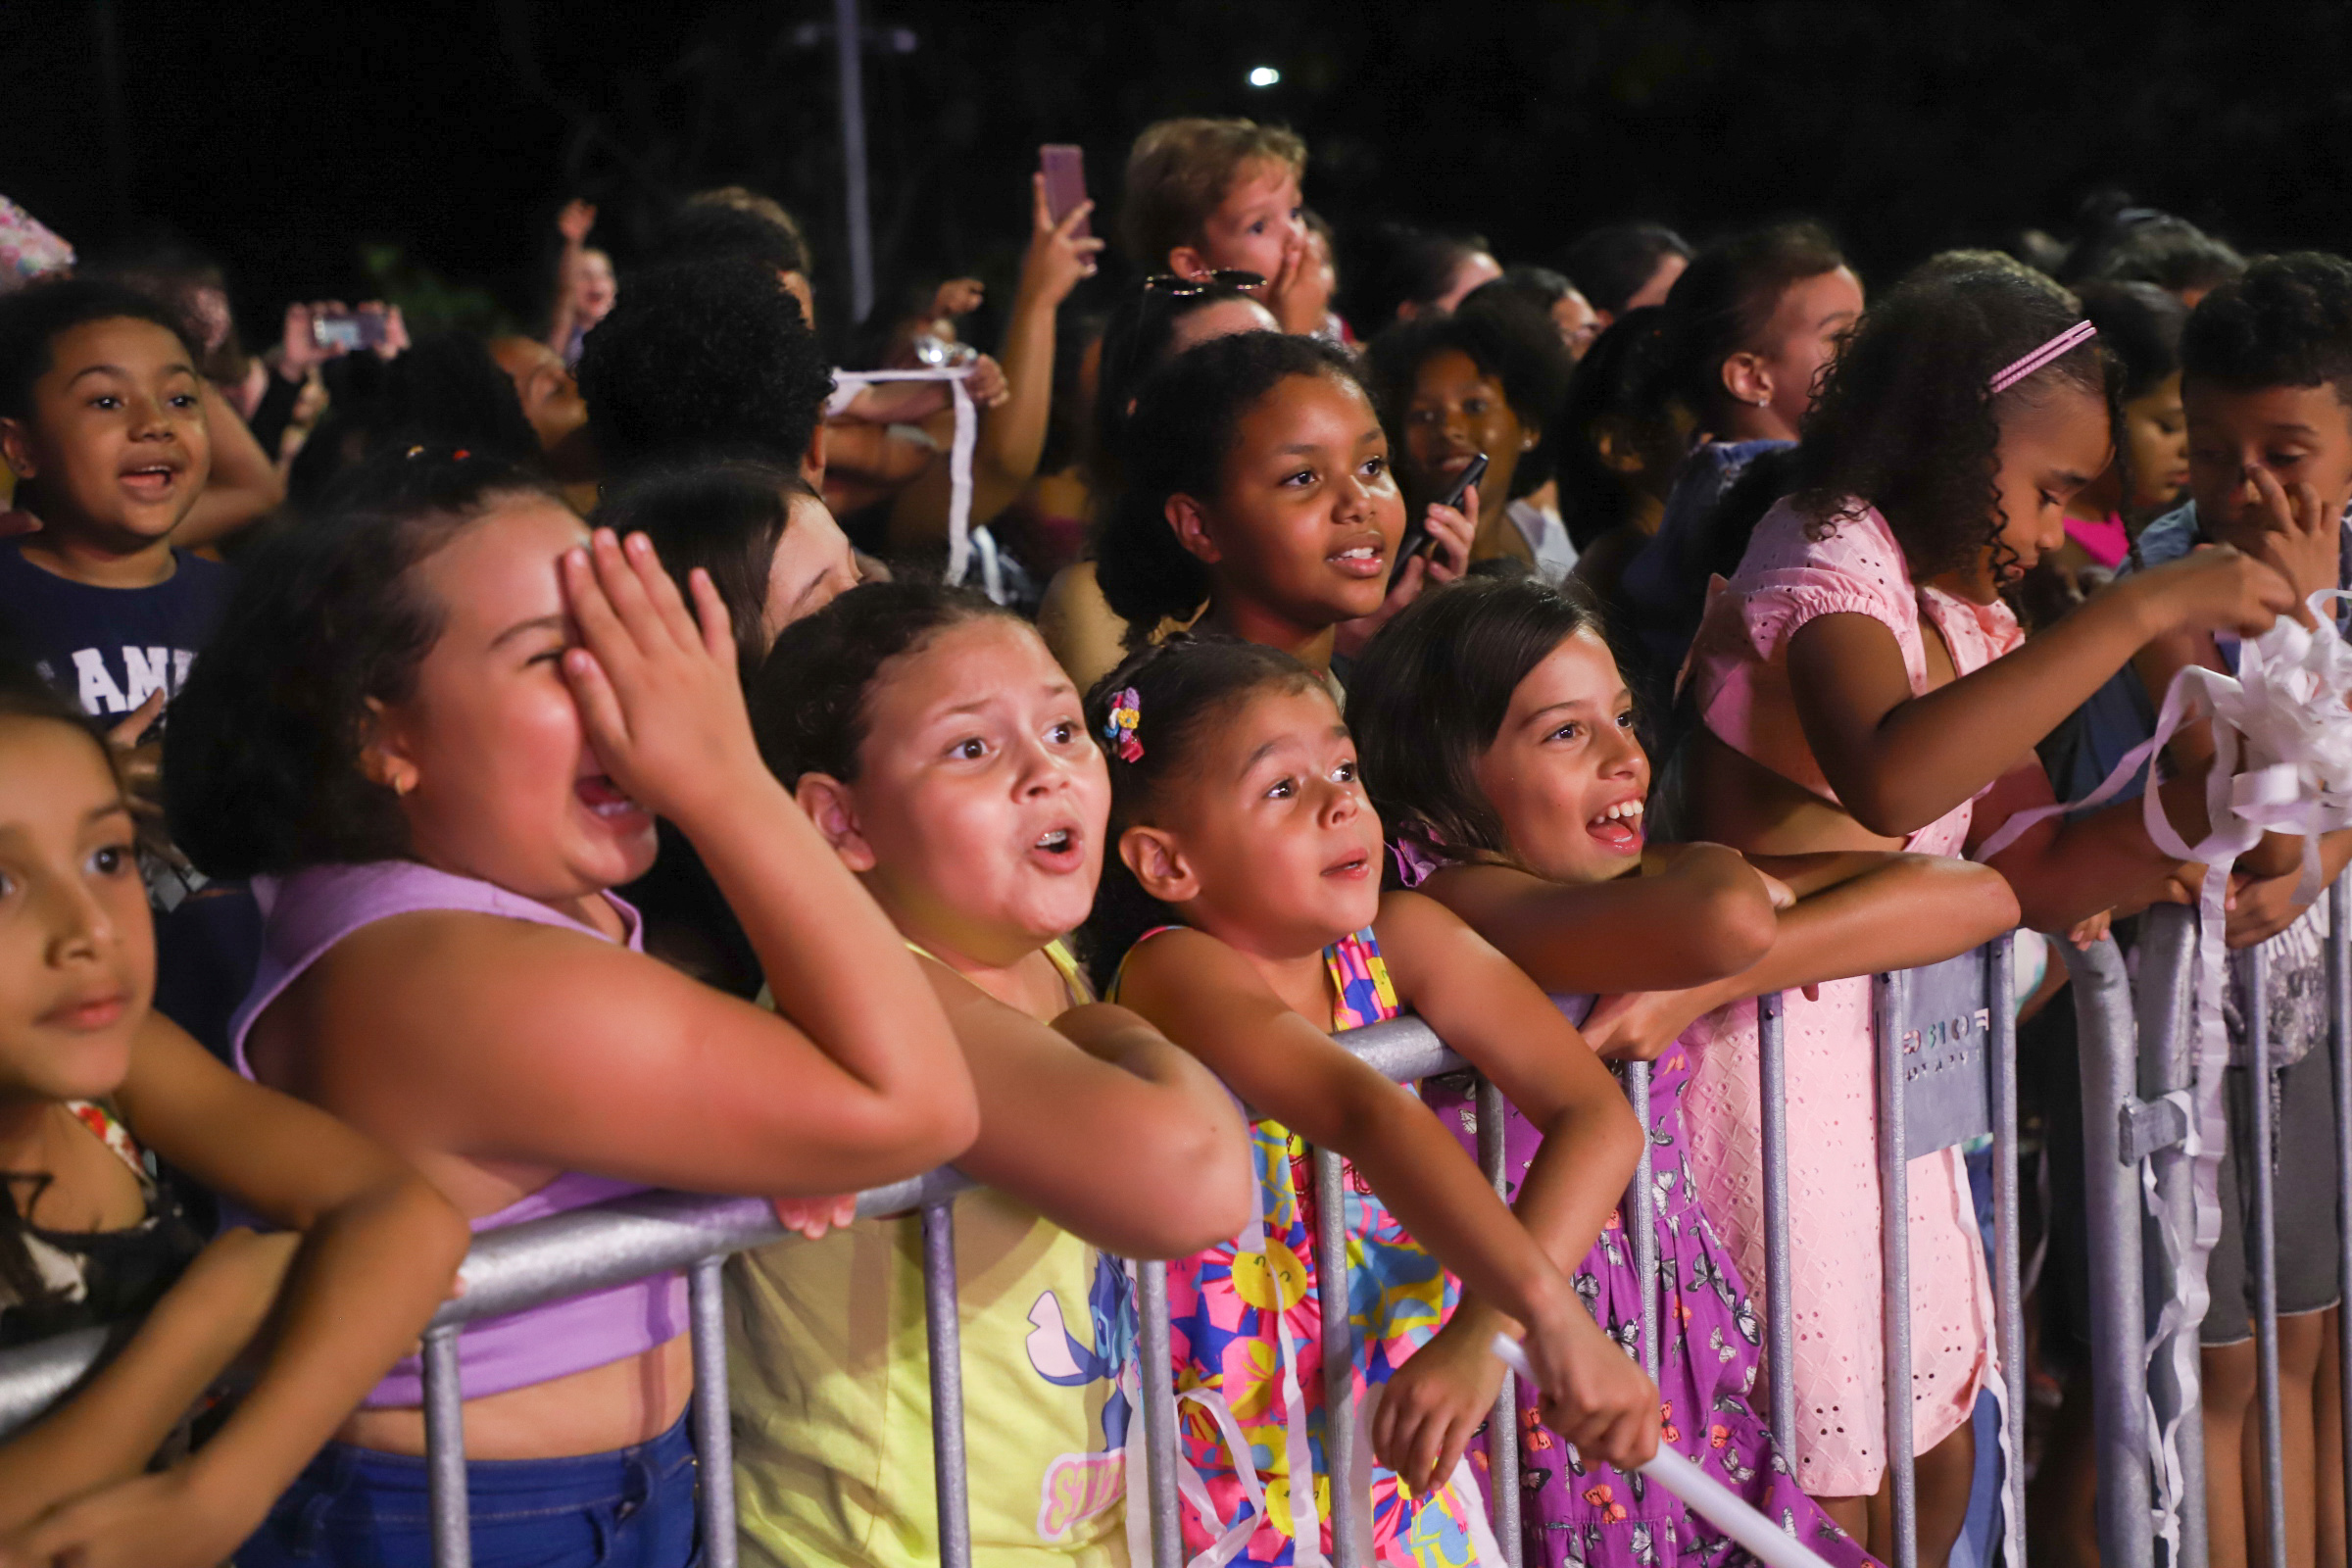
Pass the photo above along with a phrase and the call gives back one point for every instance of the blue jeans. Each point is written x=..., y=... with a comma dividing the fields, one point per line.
x=358, y=1508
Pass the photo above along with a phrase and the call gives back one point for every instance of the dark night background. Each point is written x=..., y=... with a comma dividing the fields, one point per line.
x=297, y=140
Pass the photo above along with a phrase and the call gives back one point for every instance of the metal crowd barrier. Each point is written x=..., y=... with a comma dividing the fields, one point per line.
x=1945, y=1048
x=2139, y=1041
x=1949, y=1075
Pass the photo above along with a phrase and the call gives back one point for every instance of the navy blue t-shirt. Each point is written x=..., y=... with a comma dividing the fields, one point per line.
x=109, y=649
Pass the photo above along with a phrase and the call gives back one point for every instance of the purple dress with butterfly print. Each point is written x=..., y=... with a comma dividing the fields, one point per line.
x=1572, y=1513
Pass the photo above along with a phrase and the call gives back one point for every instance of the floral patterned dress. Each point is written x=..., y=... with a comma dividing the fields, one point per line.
x=1711, y=1335
x=1247, y=1350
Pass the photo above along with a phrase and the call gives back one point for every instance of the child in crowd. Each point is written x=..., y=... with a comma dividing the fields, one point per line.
x=91, y=1232
x=102, y=421
x=1750, y=327
x=1488, y=378
x=2266, y=380
x=1154, y=325
x=943, y=756
x=1239, y=813
x=775, y=553
x=1497, y=741
x=1258, y=503
x=1204, y=196
x=2140, y=325
x=584, y=284
x=1626, y=267
x=1859, y=685
x=1397, y=273
x=436, y=729
x=1622, y=438
x=1551, y=293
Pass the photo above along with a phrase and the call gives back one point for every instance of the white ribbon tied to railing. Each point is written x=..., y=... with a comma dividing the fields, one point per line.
x=2282, y=763
x=959, y=466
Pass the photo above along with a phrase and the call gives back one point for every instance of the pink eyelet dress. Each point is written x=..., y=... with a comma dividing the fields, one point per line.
x=1740, y=674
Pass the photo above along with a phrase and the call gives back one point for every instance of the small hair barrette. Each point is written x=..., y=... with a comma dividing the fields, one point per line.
x=2074, y=336
x=1118, y=727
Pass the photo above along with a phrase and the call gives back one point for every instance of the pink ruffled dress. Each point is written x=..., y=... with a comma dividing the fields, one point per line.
x=1740, y=672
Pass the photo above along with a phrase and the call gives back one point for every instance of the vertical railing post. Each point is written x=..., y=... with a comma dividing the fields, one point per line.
x=944, y=1330
x=1642, y=1221
x=1339, y=1357
x=1893, y=997
x=1503, y=1427
x=445, y=1452
x=1779, y=1293
x=2339, y=1042
x=2108, y=1041
x=713, y=1437
x=2009, y=1302
x=2262, y=1237
x=1156, y=1378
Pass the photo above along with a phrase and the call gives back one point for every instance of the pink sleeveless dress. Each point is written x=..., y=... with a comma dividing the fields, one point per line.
x=305, y=915
x=1740, y=674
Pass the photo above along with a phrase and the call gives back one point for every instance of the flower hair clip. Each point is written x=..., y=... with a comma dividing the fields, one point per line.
x=1118, y=727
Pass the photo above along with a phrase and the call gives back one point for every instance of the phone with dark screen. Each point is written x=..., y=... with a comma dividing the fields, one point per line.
x=1418, y=540
x=1064, y=169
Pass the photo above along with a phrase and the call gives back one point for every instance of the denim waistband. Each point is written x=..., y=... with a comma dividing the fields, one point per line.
x=393, y=1487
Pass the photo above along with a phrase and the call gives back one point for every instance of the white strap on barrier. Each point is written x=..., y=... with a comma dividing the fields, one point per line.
x=959, y=470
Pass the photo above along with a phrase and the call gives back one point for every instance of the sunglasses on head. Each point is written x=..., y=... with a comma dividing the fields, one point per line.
x=1177, y=287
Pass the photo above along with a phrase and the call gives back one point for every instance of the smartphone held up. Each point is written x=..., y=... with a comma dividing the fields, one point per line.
x=1064, y=169
x=1418, y=540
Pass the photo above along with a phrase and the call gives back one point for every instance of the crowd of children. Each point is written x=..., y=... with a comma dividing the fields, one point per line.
x=438, y=793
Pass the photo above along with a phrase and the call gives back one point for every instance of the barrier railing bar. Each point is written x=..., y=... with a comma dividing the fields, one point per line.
x=714, y=1435
x=1159, y=1412
x=2262, y=1235
x=1642, y=1219
x=1892, y=1005
x=1338, y=1355
x=2009, y=1299
x=2165, y=1022
x=2339, y=1042
x=1502, y=1425
x=2108, y=1065
x=1780, y=1289
x=943, y=1331
x=445, y=1450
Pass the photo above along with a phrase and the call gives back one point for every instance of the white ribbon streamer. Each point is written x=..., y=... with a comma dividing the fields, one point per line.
x=2283, y=717
x=960, y=465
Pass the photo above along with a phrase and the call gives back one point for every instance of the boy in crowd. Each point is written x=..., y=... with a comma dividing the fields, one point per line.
x=102, y=421
x=1214, y=195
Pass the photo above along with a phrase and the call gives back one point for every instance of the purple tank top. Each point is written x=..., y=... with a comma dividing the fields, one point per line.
x=312, y=911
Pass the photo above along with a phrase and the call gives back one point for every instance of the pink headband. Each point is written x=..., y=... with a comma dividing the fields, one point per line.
x=2079, y=333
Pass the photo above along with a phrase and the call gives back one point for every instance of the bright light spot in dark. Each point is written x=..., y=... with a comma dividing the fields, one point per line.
x=1263, y=76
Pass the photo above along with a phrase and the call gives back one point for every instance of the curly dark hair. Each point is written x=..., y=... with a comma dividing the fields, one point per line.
x=2287, y=323
x=1507, y=338
x=725, y=517
x=1725, y=300
x=1905, y=420
x=1428, y=698
x=1183, y=689
x=444, y=392
x=1176, y=444
x=809, y=701
x=33, y=317
x=1610, y=263
x=2129, y=244
x=262, y=757
x=704, y=360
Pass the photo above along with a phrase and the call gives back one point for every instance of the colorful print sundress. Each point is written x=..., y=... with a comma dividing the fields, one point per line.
x=1593, y=1516
x=1247, y=1341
